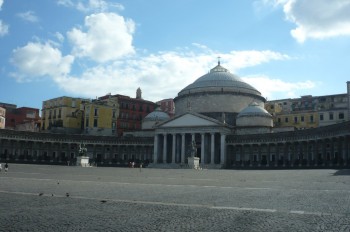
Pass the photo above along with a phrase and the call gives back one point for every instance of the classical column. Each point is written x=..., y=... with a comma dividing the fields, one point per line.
x=324, y=152
x=285, y=153
x=259, y=155
x=202, y=149
x=315, y=158
x=183, y=148
x=212, y=148
x=155, y=149
x=277, y=155
x=174, y=149
x=347, y=148
x=344, y=150
x=164, y=147
x=222, y=149
x=267, y=155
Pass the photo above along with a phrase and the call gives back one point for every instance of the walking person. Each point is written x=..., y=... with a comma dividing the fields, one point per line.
x=6, y=167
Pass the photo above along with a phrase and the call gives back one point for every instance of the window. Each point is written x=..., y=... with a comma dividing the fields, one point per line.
x=295, y=119
x=279, y=120
x=302, y=118
x=95, y=122
x=133, y=107
x=96, y=112
x=141, y=109
x=286, y=120
x=341, y=115
x=87, y=122
x=331, y=116
x=113, y=114
x=321, y=117
x=311, y=118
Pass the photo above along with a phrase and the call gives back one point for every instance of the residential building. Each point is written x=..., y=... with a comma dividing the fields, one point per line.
x=63, y=115
x=100, y=116
x=309, y=111
x=22, y=118
x=2, y=117
x=131, y=111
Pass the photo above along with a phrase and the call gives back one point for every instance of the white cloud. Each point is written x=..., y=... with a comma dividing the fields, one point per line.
x=316, y=19
x=91, y=5
x=37, y=60
x=1, y=2
x=108, y=37
x=4, y=28
x=59, y=37
x=160, y=75
x=273, y=88
x=28, y=16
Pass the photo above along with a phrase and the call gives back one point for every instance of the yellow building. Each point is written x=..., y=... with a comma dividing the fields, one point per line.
x=100, y=116
x=63, y=114
x=309, y=111
x=299, y=120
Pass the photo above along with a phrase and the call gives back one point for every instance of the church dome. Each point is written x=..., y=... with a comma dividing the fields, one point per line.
x=255, y=117
x=153, y=118
x=254, y=109
x=217, y=79
x=218, y=94
x=157, y=115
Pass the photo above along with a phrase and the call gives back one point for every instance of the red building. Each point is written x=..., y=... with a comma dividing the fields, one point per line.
x=167, y=106
x=131, y=113
x=23, y=118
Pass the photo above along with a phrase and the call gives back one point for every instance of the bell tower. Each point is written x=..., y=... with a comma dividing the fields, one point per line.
x=138, y=93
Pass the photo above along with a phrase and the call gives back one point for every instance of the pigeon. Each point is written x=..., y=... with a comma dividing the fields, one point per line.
x=67, y=194
x=103, y=201
x=40, y=194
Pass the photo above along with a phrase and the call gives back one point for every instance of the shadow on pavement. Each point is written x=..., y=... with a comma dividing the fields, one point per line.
x=342, y=172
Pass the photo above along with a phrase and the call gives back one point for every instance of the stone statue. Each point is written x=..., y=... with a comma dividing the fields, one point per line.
x=82, y=150
x=193, y=149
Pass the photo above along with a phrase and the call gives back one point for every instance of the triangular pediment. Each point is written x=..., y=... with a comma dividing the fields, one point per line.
x=189, y=120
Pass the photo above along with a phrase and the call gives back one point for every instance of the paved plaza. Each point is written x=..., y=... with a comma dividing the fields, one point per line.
x=66, y=198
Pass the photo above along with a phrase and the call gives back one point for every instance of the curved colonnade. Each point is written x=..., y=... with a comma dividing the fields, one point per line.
x=313, y=148
x=17, y=146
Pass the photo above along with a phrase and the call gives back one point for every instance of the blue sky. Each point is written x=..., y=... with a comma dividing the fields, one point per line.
x=284, y=48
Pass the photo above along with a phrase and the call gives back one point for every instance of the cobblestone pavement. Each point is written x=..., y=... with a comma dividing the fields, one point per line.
x=62, y=198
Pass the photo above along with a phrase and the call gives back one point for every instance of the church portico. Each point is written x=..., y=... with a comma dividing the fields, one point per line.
x=174, y=140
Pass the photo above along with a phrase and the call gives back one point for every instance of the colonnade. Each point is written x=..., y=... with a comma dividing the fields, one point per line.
x=176, y=147
x=309, y=153
x=62, y=152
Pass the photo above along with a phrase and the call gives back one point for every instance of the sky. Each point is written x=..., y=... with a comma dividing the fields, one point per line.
x=90, y=48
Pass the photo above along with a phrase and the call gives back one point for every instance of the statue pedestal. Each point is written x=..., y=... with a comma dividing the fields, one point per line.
x=83, y=161
x=193, y=162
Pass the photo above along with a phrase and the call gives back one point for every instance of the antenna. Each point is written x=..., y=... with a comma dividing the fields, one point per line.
x=219, y=60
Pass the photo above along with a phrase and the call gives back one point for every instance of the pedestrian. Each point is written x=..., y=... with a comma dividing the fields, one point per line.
x=6, y=167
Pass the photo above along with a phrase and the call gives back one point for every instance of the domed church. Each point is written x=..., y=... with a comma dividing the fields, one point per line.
x=215, y=105
x=218, y=94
